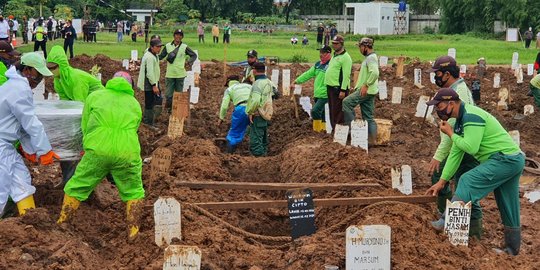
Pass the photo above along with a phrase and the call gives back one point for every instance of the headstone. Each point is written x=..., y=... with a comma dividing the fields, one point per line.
x=463, y=70
x=422, y=106
x=176, y=127
x=519, y=74
x=301, y=212
x=368, y=247
x=305, y=102
x=167, y=220
x=400, y=66
x=341, y=133
x=530, y=69
x=515, y=136
x=383, y=61
x=452, y=53
x=98, y=76
x=125, y=63
x=275, y=76
x=457, y=222
x=417, y=76
x=528, y=110
x=161, y=162
x=297, y=89
x=359, y=134
x=383, y=90
x=396, y=95
x=327, y=118
x=497, y=80
x=189, y=81
x=402, y=179
x=286, y=82
x=180, y=106
x=182, y=258
x=432, y=77
x=134, y=55
x=515, y=60
x=196, y=68
x=194, y=95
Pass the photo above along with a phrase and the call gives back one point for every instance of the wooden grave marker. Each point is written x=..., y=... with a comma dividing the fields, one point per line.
x=368, y=247
x=301, y=212
x=383, y=90
x=359, y=134
x=402, y=179
x=275, y=77
x=167, y=220
x=160, y=164
x=503, y=98
x=180, y=107
x=176, y=127
x=286, y=82
x=341, y=133
x=396, y=95
x=497, y=80
x=400, y=66
x=179, y=257
x=457, y=222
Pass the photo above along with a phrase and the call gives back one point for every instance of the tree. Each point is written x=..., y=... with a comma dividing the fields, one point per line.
x=194, y=14
x=63, y=12
x=173, y=9
x=18, y=8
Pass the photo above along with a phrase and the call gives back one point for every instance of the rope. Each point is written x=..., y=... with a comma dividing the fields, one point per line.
x=535, y=168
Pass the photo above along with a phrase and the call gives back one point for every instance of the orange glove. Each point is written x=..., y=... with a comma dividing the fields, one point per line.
x=48, y=158
x=30, y=157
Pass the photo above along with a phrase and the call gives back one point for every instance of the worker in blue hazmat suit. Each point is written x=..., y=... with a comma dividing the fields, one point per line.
x=19, y=122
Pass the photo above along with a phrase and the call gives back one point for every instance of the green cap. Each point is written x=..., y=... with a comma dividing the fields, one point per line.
x=37, y=61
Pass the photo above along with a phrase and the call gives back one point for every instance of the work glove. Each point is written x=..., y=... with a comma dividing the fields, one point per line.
x=48, y=158
x=30, y=157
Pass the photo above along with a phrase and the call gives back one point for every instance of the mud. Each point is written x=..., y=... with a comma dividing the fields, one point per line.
x=96, y=237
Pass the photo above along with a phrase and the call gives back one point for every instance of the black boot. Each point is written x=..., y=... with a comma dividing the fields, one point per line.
x=475, y=229
x=230, y=148
x=168, y=104
x=512, y=240
x=148, y=117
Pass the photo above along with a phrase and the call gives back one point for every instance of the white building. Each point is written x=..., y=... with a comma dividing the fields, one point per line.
x=142, y=15
x=378, y=18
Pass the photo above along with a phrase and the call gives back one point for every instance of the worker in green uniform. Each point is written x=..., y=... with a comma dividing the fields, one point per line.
x=8, y=56
x=259, y=109
x=110, y=121
x=447, y=76
x=320, y=95
x=148, y=81
x=176, y=53
x=365, y=90
x=478, y=133
x=248, y=76
x=337, y=79
x=237, y=93
x=535, y=89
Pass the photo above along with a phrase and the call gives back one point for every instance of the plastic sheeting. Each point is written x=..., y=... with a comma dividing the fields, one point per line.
x=62, y=122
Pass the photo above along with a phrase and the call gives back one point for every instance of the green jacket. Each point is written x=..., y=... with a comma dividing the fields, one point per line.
x=237, y=93
x=478, y=134
x=110, y=121
x=446, y=143
x=535, y=82
x=318, y=71
x=260, y=93
x=72, y=84
x=3, y=70
x=369, y=74
x=178, y=67
x=338, y=73
x=248, y=75
x=149, y=69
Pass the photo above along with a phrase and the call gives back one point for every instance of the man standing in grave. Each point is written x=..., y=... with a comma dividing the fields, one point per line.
x=237, y=93
x=176, y=53
x=320, y=95
x=148, y=81
x=337, y=79
x=260, y=110
x=248, y=76
x=479, y=134
x=365, y=90
x=447, y=76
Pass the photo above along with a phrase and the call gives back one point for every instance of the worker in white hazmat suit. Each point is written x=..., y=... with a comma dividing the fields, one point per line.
x=19, y=122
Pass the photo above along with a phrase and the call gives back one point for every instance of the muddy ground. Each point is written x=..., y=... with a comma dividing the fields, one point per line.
x=96, y=237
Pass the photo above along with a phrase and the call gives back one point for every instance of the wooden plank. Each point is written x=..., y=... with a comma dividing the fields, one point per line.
x=274, y=186
x=318, y=202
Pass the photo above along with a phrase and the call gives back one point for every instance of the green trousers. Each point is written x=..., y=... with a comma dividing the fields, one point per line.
x=93, y=168
x=367, y=107
x=467, y=163
x=258, y=137
x=536, y=94
x=317, y=112
x=500, y=174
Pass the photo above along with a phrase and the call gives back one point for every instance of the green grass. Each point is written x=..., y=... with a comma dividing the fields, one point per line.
x=425, y=47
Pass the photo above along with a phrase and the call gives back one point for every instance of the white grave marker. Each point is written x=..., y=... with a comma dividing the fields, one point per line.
x=182, y=258
x=417, y=76
x=297, y=89
x=196, y=68
x=432, y=77
x=515, y=136
x=530, y=69
x=452, y=53
x=305, y=102
x=528, y=110
x=396, y=95
x=463, y=69
x=402, y=179
x=341, y=133
x=125, y=63
x=383, y=90
x=497, y=80
x=275, y=76
x=189, y=80
x=134, y=55
x=98, y=76
x=286, y=82
x=457, y=222
x=368, y=247
x=383, y=61
x=359, y=134
x=421, y=107
x=515, y=60
x=167, y=219
x=327, y=118
x=519, y=74
x=194, y=95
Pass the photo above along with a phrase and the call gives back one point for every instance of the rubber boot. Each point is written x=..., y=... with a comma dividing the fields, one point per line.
x=438, y=225
x=230, y=148
x=158, y=109
x=68, y=169
x=475, y=229
x=322, y=126
x=132, y=214
x=148, y=117
x=168, y=104
x=69, y=206
x=372, y=132
x=441, y=202
x=25, y=204
x=512, y=240
x=317, y=125
x=348, y=117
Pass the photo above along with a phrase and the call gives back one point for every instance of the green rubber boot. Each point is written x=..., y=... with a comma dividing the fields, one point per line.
x=475, y=229
x=512, y=240
x=148, y=117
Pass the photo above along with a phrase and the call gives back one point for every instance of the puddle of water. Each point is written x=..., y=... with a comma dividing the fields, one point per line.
x=533, y=196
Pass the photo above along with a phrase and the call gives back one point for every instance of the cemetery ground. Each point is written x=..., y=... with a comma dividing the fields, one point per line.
x=251, y=239
x=423, y=47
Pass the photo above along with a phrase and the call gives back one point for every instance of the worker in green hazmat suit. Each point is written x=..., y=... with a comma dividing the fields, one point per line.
x=70, y=84
x=110, y=121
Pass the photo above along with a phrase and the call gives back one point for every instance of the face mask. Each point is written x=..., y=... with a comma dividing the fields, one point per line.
x=439, y=81
x=364, y=52
x=325, y=58
x=444, y=114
